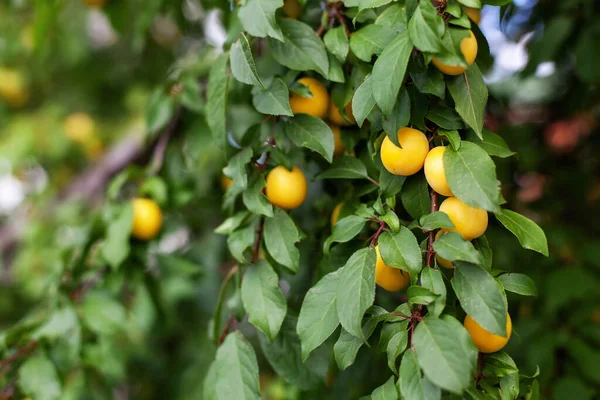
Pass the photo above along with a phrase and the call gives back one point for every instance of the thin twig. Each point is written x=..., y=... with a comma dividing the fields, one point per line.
x=222, y=291
x=373, y=181
x=230, y=322
x=160, y=149
x=22, y=352
x=258, y=240
x=85, y=286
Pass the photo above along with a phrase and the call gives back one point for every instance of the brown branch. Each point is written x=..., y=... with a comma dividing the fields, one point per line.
x=431, y=238
x=479, y=375
x=231, y=322
x=257, y=241
x=78, y=294
x=21, y=352
x=160, y=149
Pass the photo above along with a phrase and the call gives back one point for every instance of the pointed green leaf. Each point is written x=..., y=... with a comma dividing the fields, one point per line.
x=344, y=230
x=432, y=279
x=302, y=49
x=242, y=62
x=481, y=296
x=274, y=100
x=435, y=220
x=318, y=315
x=363, y=101
x=452, y=247
x=401, y=250
x=236, y=370
x=530, y=235
x=445, y=352
x=336, y=42
x=356, y=290
x=412, y=385
x=345, y=167
x=311, y=132
x=426, y=28
x=39, y=379
x=370, y=40
x=471, y=175
x=387, y=391
x=493, y=144
x=258, y=18
x=518, y=283
x=388, y=72
x=347, y=346
x=216, y=100
x=280, y=235
x=263, y=299
x=470, y=95
x=415, y=195
x=255, y=200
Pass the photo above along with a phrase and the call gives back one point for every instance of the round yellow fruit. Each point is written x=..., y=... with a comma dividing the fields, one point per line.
x=442, y=261
x=286, y=189
x=335, y=214
x=336, y=117
x=474, y=14
x=337, y=140
x=147, y=219
x=225, y=182
x=485, y=341
x=435, y=172
x=79, y=127
x=292, y=8
x=469, y=221
x=408, y=159
x=316, y=105
x=389, y=278
x=468, y=47
x=12, y=87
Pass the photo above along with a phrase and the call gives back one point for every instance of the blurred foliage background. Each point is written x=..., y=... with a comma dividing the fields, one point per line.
x=84, y=91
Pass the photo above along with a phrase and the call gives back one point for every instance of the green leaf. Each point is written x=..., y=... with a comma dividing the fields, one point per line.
x=387, y=391
x=499, y=364
x=242, y=62
x=274, y=100
x=452, y=247
x=401, y=250
x=103, y=314
x=345, y=167
x=347, y=346
x=336, y=42
x=492, y=143
x=435, y=220
x=356, y=290
x=470, y=96
x=336, y=72
x=370, y=40
x=395, y=347
x=399, y=118
x=388, y=72
x=430, y=81
x=344, y=231
x=392, y=220
x=281, y=234
x=481, y=296
x=263, y=299
x=433, y=280
x=236, y=168
x=311, y=132
x=518, y=283
x=426, y=28
x=471, y=175
x=444, y=117
x=412, y=385
x=302, y=49
x=159, y=111
x=216, y=100
x=415, y=195
x=372, y=3
x=115, y=247
x=232, y=223
x=585, y=49
x=445, y=352
x=471, y=3
x=236, y=369
x=363, y=101
x=509, y=386
x=530, y=235
x=239, y=241
x=420, y=295
x=390, y=184
x=318, y=315
x=284, y=356
x=38, y=378
x=258, y=18
x=453, y=137
x=393, y=17
x=482, y=245
x=255, y=200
